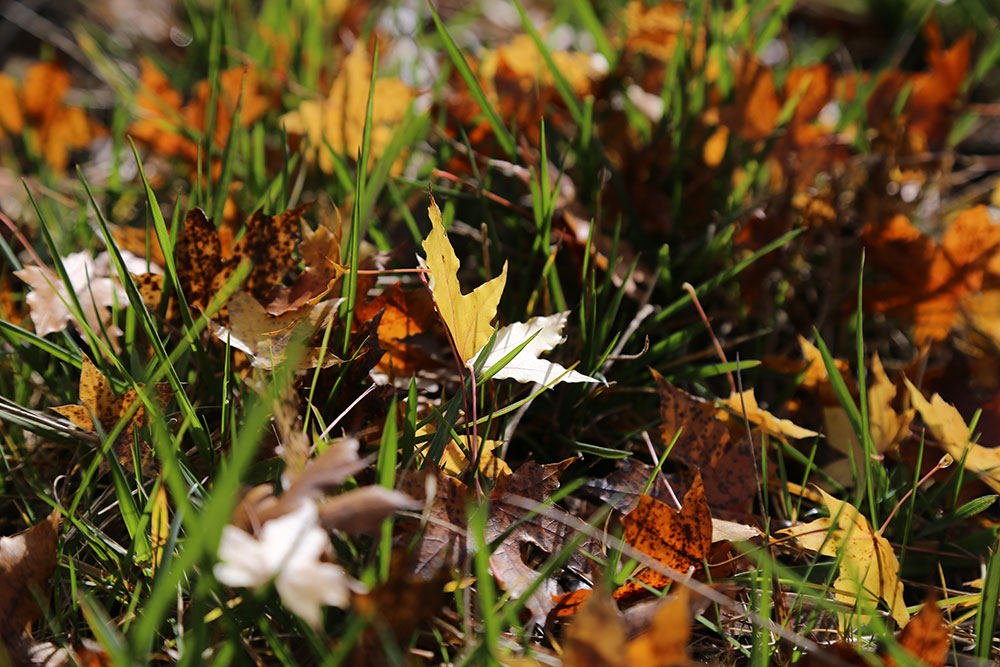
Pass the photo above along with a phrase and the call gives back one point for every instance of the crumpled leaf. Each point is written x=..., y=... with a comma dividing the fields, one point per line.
x=27, y=562
x=679, y=540
x=868, y=569
x=266, y=339
x=287, y=550
x=406, y=314
x=468, y=317
x=526, y=366
x=320, y=250
x=98, y=399
x=954, y=436
x=779, y=428
x=338, y=122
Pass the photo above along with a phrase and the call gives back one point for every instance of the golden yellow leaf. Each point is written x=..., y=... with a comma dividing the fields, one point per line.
x=454, y=461
x=779, y=428
x=887, y=427
x=339, y=120
x=868, y=567
x=715, y=147
x=467, y=316
x=947, y=425
x=159, y=526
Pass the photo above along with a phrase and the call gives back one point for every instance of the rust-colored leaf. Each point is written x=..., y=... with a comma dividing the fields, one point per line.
x=27, y=562
x=926, y=637
x=679, y=540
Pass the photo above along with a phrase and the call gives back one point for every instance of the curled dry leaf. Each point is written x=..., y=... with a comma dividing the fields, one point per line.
x=758, y=416
x=361, y=510
x=869, y=570
x=954, y=436
x=679, y=540
x=468, y=317
x=98, y=399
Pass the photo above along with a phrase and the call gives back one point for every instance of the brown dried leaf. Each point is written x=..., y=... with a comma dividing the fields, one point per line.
x=926, y=636
x=596, y=636
x=27, y=562
x=442, y=544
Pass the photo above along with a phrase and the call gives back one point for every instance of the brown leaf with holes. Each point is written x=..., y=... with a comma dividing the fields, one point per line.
x=679, y=540
x=706, y=444
x=534, y=482
x=27, y=562
x=320, y=250
x=98, y=399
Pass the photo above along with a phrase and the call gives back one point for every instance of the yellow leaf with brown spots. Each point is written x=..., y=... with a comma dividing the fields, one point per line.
x=98, y=400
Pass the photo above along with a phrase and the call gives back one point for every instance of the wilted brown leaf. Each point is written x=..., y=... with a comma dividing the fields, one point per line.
x=27, y=562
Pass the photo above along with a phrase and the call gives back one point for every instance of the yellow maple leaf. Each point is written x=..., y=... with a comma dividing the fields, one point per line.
x=468, y=317
x=868, y=567
x=779, y=428
x=339, y=120
x=947, y=425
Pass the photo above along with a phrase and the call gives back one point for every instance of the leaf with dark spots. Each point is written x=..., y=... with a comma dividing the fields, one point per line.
x=679, y=540
x=98, y=399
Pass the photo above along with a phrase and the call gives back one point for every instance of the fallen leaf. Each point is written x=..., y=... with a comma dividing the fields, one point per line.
x=779, y=428
x=535, y=482
x=337, y=122
x=362, y=510
x=705, y=444
x=442, y=543
x=715, y=146
x=320, y=250
x=954, y=436
x=665, y=643
x=98, y=399
x=679, y=540
x=596, y=635
x=266, y=339
x=406, y=315
x=468, y=317
x=869, y=570
x=544, y=333
x=887, y=426
x=926, y=637
x=27, y=563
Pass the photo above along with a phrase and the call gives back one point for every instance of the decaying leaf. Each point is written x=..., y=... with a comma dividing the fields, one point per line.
x=954, y=436
x=679, y=540
x=535, y=482
x=337, y=123
x=442, y=544
x=544, y=333
x=468, y=317
x=203, y=269
x=98, y=400
x=407, y=318
x=926, y=636
x=869, y=570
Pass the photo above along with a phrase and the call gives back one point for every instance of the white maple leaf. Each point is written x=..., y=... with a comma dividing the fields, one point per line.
x=526, y=366
x=288, y=551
